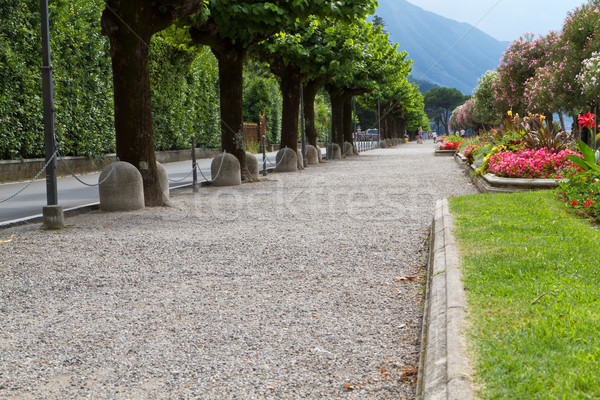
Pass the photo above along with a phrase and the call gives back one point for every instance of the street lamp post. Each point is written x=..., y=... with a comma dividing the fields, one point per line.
x=52, y=214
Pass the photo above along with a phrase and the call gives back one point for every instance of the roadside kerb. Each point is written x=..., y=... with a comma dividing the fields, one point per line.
x=490, y=183
x=444, y=371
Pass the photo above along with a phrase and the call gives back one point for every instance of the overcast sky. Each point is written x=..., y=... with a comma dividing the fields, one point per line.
x=505, y=20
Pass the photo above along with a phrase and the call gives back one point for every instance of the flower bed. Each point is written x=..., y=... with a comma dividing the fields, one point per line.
x=531, y=164
x=449, y=145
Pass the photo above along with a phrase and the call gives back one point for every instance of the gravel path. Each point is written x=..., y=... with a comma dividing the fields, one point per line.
x=284, y=289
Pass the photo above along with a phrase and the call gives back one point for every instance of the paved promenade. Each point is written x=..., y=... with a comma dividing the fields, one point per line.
x=305, y=285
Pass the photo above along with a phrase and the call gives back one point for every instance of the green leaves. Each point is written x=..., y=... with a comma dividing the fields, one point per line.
x=589, y=160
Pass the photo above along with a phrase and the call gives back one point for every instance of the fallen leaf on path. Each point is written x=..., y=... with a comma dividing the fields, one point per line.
x=409, y=375
x=8, y=240
x=406, y=278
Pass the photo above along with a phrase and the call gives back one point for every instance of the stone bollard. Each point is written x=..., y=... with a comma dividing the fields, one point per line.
x=320, y=154
x=163, y=182
x=300, y=159
x=334, y=152
x=286, y=160
x=225, y=170
x=123, y=190
x=382, y=144
x=348, y=149
x=252, y=164
x=388, y=142
x=311, y=154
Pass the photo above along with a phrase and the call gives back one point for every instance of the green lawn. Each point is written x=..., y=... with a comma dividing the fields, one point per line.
x=531, y=272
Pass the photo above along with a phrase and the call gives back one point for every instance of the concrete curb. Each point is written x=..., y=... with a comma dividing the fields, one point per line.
x=444, y=371
x=490, y=183
x=70, y=212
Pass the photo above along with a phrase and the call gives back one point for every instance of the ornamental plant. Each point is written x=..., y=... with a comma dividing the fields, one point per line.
x=588, y=77
x=588, y=160
x=449, y=145
x=469, y=152
x=581, y=194
x=530, y=163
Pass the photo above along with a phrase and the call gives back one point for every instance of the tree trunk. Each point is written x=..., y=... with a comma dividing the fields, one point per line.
x=562, y=121
x=133, y=109
x=348, y=120
x=337, y=115
x=129, y=25
x=310, y=93
x=231, y=66
x=290, y=84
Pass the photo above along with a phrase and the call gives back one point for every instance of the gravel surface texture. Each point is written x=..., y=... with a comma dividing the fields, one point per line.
x=289, y=288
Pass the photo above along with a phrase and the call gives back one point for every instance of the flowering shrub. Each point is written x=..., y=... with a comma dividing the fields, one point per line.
x=469, y=153
x=530, y=163
x=449, y=145
x=581, y=193
x=588, y=77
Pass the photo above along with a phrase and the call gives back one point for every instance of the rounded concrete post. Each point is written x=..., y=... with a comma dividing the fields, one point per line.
x=334, y=153
x=300, y=159
x=311, y=154
x=348, y=149
x=163, y=181
x=252, y=163
x=287, y=160
x=123, y=190
x=225, y=170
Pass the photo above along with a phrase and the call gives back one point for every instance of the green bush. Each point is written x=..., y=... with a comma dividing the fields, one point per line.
x=82, y=79
x=185, y=93
x=262, y=96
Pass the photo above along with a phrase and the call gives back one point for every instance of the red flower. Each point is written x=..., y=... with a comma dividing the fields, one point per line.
x=586, y=120
x=588, y=203
x=574, y=203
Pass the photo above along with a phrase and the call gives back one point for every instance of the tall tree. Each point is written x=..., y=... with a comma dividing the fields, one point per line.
x=129, y=25
x=372, y=61
x=518, y=65
x=440, y=102
x=231, y=27
x=483, y=101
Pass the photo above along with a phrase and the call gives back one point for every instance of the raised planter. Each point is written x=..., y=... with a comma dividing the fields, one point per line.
x=490, y=183
x=444, y=153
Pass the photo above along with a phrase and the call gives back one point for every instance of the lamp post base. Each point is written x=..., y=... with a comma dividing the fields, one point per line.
x=53, y=217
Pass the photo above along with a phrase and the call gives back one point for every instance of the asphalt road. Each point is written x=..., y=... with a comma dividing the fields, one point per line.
x=73, y=194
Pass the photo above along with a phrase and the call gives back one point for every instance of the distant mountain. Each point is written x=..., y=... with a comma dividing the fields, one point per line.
x=445, y=52
x=424, y=86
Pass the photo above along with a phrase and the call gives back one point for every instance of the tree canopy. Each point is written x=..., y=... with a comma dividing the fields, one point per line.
x=440, y=102
x=231, y=27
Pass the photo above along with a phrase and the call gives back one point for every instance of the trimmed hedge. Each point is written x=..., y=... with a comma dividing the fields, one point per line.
x=184, y=84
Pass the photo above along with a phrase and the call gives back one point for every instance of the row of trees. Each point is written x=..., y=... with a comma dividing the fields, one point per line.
x=170, y=59
x=553, y=74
